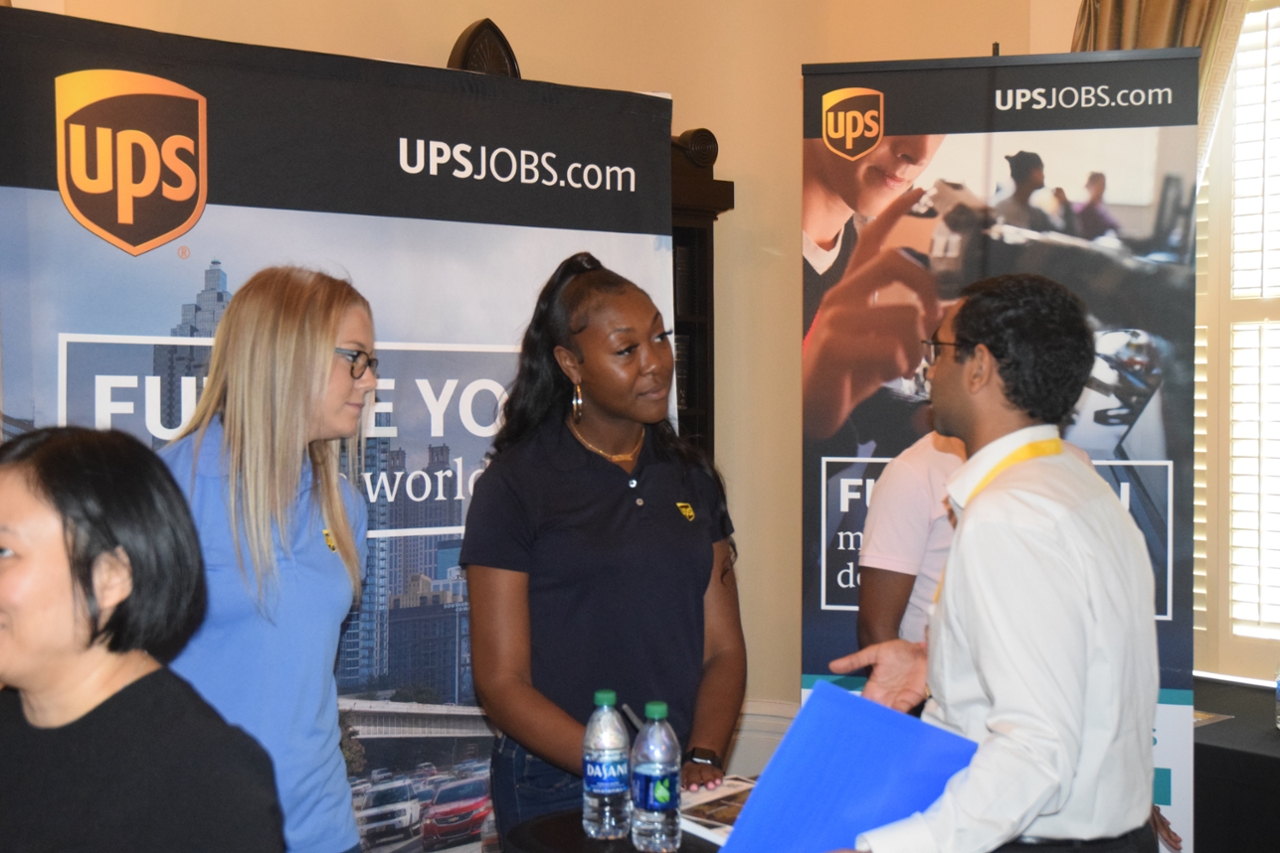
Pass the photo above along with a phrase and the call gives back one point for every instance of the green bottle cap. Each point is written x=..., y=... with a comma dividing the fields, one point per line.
x=655, y=710
x=606, y=697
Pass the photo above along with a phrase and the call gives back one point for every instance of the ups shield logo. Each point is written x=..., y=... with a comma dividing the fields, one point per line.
x=852, y=121
x=132, y=163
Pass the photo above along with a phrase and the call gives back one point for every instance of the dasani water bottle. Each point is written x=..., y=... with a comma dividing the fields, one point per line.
x=655, y=784
x=606, y=803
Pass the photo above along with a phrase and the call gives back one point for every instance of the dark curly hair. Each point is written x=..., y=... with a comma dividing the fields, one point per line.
x=1038, y=332
x=541, y=390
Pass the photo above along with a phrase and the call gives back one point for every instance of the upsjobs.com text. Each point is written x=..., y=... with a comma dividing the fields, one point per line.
x=1069, y=97
x=464, y=160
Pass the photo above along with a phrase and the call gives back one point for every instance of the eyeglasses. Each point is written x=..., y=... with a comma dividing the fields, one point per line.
x=360, y=361
x=931, y=351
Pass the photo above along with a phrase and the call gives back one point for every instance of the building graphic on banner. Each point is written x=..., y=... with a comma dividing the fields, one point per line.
x=182, y=370
x=411, y=628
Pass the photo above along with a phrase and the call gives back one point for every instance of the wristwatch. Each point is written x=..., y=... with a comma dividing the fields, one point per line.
x=698, y=755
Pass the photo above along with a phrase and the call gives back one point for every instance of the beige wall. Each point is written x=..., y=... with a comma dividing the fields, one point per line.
x=731, y=66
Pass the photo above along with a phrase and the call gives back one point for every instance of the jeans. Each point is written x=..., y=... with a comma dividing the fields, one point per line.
x=524, y=786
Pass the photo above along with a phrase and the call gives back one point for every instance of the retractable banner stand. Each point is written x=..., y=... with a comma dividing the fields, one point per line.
x=144, y=177
x=1079, y=167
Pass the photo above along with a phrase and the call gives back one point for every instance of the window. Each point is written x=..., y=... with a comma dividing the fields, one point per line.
x=1237, y=534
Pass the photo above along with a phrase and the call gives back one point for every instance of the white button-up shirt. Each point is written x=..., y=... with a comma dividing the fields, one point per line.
x=1042, y=648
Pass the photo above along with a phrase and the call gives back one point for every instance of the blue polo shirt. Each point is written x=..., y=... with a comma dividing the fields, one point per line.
x=618, y=565
x=267, y=666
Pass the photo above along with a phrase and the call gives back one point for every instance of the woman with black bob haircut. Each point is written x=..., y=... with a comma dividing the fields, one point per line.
x=598, y=550
x=101, y=585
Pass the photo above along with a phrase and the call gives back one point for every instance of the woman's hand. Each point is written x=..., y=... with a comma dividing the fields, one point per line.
x=694, y=776
x=500, y=661
x=724, y=671
x=856, y=345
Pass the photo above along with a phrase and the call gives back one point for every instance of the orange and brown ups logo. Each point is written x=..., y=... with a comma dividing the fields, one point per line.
x=132, y=164
x=852, y=121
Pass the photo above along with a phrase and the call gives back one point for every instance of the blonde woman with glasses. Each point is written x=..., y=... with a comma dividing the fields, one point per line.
x=283, y=534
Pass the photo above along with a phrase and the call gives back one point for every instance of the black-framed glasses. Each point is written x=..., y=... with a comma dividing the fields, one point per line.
x=931, y=351
x=360, y=361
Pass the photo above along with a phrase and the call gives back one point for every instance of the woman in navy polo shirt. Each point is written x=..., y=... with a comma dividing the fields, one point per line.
x=597, y=550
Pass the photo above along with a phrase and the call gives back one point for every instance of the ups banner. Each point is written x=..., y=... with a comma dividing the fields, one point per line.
x=1079, y=167
x=144, y=177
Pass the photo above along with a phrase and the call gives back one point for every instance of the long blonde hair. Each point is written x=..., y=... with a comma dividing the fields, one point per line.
x=272, y=356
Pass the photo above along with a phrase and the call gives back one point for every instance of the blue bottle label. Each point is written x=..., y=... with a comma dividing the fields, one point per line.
x=655, y=793
x=605, y=776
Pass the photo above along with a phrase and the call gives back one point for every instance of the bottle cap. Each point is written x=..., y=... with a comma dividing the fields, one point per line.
x=606, y=697
x=655, y=710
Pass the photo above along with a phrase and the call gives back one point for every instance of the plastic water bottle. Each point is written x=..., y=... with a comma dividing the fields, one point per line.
x=606, y=802
x=655, y=784
x=1278, y=697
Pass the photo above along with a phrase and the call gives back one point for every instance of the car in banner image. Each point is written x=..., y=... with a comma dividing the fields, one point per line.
x=457, y=813
x=471, y=767
x=426, y=789
x=390, y=808
x=489, y=841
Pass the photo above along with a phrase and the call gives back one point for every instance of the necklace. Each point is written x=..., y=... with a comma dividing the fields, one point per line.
x=612, y=457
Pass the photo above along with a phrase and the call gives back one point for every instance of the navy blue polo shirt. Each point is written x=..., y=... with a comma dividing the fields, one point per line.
x=618, y=565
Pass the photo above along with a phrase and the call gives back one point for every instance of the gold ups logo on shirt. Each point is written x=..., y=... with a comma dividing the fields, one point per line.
x=852, y=121
x=132, y=164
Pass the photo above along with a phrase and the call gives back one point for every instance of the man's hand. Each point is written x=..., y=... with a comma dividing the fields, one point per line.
x=1171, y=839
x=898, y=673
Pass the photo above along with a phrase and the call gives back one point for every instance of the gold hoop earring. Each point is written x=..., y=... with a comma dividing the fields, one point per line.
x=577, y=403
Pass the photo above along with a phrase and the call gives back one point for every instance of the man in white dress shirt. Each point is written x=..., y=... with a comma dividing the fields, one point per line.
x=1042, y=646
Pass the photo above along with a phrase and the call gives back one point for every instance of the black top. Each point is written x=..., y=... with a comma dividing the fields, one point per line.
x=816, y=284
x=618, y=565
x=152, y=768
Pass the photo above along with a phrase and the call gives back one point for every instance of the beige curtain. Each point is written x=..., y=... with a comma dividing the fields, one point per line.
x=1211, y=25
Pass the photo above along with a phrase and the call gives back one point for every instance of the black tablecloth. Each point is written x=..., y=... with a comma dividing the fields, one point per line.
x=1237, y=788
x=562, y=833
x=1237, y=770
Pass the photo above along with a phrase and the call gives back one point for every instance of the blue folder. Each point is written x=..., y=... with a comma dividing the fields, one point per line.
x=846, y=765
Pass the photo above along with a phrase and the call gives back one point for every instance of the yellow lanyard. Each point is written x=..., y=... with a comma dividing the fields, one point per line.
x=1033, y=450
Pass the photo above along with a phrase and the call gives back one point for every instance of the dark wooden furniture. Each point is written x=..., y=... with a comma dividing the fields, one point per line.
x=697, y=199
x=562, y=833
x=1237, y=769
x=484, y=49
